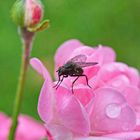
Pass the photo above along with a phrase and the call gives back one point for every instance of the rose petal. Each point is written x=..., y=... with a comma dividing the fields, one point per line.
x=112, y=70
x=58, y=132
x=73, y=116
x=27, y=124
x=134, y=76
x=5, y=123
x=96, y=138
x=40, y=68
x=111, y=113
x=83, y=93
x=132, y=95
x=103, y=55
x=119, y=82
x=91, y=72
x=46, y=102
x=85, y=50
x=62, y=93
x=126, y=135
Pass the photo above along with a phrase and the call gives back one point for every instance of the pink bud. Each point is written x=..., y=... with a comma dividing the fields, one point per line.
x=33, y=12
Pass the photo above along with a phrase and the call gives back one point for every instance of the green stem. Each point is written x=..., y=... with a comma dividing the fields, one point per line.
x=27, y=45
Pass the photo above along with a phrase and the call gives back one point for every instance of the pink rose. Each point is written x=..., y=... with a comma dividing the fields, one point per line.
x=28, y=128
x=110, y=110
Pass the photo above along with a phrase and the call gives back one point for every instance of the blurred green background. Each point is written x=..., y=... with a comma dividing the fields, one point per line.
x=114, y=23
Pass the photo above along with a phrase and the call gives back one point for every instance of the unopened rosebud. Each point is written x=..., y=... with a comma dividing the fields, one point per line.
x=33, y=12
x=28, y=14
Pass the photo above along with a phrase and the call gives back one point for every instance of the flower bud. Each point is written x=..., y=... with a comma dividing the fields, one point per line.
x=33, y=12
x=27, y=13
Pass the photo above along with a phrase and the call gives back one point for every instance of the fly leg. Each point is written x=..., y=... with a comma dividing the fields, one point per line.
x=86, y=80
x=60, y=82
x=57, y=82
x=74, y=81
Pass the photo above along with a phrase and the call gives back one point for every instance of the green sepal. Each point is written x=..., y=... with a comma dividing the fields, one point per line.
x=17, y=12
x=39, y=27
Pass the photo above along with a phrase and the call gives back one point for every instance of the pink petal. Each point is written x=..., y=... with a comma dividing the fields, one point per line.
x=134, y=76
x=73, y=116
x=64, y=51
x=112, y=70
x=58, y=132
x=62, y=93
x=82, y=50
x=89, y=106
x=103, y=55
x=132, y=95
x=91, y=72
x=46, y=101
x=135, y=135
x=83, y=93
x=119, y=82
x=111, y=113
x=29, y=129
x=40, y=68
x=96, y=138
x=5, y=123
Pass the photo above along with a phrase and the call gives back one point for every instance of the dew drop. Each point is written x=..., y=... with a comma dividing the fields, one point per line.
x=113, y=110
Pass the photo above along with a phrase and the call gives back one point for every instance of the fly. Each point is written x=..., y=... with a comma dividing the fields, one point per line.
x=73, y=68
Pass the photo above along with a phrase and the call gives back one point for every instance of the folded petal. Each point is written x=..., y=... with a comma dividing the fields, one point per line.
x=103, y=55
x=87, y=51
x=111, y=112
x=58, y=132
x=40, y=68
x=29, y=129
x=119, y=82
x=112, y=70
x=134, y=76
x=135, y=135
x=5, y=123
x=83, y=93
x=132, y=95
x=73, y=116
x=96, y=138
x=46, y=102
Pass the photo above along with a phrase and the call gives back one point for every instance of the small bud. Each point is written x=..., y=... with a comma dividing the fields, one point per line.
x=28, y=14
x=33, y=12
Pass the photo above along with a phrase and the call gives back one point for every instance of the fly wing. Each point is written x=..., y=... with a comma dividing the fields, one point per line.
x=79, y=58
x=86, y=64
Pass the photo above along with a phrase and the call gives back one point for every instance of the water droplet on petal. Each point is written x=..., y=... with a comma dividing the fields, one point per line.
x=113, y=110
